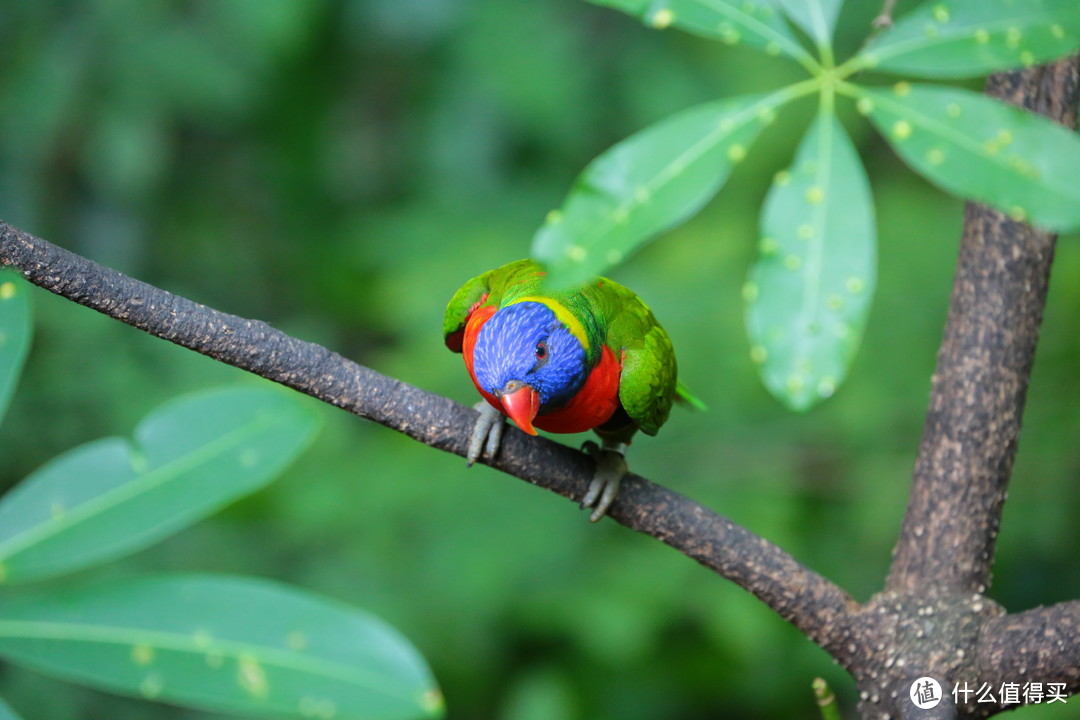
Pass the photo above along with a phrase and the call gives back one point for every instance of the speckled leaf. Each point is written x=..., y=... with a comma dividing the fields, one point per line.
x=226, y=644
x=816, y=17
x=968, y=38
x=757, y=23
x=110, y=497
x=646, y=184
x=983, y=149
x=808, y=294
x=14, y=333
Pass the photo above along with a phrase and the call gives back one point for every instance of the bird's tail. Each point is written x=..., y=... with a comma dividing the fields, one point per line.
x=684, y=396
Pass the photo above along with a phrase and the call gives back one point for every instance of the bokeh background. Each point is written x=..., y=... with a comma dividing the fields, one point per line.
x=338, y=169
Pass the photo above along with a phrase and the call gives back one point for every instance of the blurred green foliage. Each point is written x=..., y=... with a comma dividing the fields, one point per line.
x=338, y=169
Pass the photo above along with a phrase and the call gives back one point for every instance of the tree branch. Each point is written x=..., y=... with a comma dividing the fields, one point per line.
x=984, y=364
x=884, y=18
x=810, y=602
x=1040, y=645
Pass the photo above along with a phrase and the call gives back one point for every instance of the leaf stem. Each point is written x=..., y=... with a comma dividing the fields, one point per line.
x=827, y=101
x=852, y=65
x=850, y=90
x=795, y=91
x=822, y=39
x=826, y=699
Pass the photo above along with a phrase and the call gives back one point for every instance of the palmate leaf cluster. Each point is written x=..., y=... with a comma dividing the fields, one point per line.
x=809, y=292
x=218, y=642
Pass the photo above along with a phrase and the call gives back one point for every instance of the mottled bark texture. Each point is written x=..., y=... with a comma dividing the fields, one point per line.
x=970, y=438
x=940, y=623
x=931, y=619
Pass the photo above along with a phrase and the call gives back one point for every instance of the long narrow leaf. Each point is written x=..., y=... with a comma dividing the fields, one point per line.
x=107, y=498
x=969, y=38
x=983, y=149
x=816, y=17
x=227, y=644
x=809, y=293
x=757, y=23
x=646, y=184
x=14, y=333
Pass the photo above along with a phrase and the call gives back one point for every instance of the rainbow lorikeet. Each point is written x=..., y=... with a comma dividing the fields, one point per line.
x=590, y=358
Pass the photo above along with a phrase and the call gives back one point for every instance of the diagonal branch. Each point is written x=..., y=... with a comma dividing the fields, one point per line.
x=984, y=364
x=816, y=606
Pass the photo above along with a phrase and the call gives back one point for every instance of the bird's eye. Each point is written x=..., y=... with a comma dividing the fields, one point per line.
x=541, y=350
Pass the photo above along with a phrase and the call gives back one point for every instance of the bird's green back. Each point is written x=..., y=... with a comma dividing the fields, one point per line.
x=649, y=371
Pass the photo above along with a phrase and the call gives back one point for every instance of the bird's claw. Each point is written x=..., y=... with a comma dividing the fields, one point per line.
x=487, y=433
x=610, y=469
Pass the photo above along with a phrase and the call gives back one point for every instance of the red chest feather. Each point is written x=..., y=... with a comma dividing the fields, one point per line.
x=476, y=321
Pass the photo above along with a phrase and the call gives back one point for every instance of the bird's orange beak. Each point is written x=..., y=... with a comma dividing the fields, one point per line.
x=521, y=406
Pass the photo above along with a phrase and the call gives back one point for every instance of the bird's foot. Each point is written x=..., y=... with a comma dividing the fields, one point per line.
x=486, y=434
x=610, y=469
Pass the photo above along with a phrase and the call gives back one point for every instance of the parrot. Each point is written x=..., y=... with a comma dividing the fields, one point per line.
x=587, y=358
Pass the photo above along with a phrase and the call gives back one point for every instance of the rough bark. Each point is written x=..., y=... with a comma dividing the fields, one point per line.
x=934, y=611
x=984, y=364
x=1031, y=646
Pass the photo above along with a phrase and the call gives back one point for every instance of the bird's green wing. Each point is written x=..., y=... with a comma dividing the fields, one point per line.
x=647, y=385
x=461, y=305
x=495, y=287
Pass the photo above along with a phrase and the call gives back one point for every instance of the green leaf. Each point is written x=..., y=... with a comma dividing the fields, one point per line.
x=6, y=713
x=816, y=17
x=809, y=293
x=647, y=183
x=756, y=23
x=228, y=644
x=108, y=498
x=983, y=149
x=969, y=38
x=14, y=333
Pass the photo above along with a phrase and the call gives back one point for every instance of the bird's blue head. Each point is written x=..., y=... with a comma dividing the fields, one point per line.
x=529, y=360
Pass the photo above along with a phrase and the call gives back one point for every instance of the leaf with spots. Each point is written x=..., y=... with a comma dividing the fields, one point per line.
x=111, y=497
x=816, y=17
x=646, y=184
x=14, y=333
x=808, y=294
x=983, y=149
x=969, y=38
x=757, y=23
x=222, y=643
